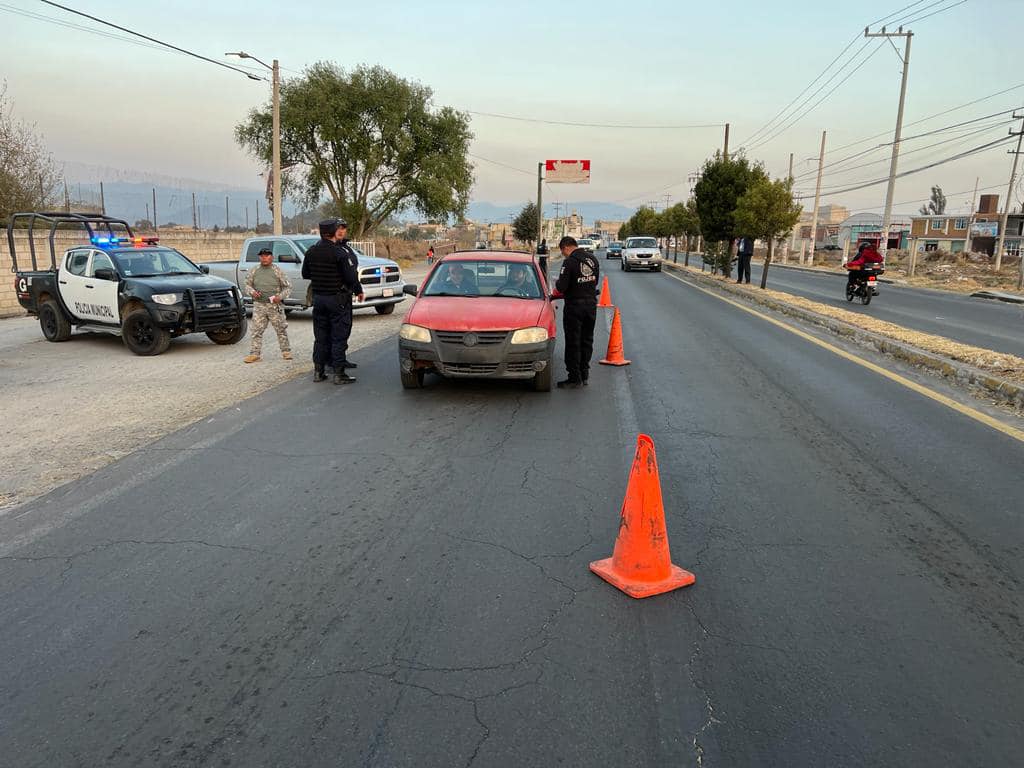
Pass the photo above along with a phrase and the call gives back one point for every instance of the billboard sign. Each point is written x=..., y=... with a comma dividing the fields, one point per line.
x=567, y=171
x=985, y=229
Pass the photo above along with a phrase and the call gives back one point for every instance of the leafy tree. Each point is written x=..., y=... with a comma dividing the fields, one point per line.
x=524, y=226
x=143, y=225
x=766, y=211
x=723, y=181
x=681, y=220
x=624, y=231
x=936, y=205
x=372, y=140
x=28, y=173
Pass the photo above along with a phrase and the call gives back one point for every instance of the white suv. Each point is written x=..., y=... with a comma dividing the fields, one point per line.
x=641, y=253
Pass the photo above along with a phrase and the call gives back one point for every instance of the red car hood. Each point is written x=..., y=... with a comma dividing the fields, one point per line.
x=482, y=313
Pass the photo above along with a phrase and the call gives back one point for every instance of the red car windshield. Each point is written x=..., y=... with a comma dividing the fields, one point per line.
x=509, y=279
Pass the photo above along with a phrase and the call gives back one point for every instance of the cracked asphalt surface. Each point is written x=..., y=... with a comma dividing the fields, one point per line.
x=361, y=576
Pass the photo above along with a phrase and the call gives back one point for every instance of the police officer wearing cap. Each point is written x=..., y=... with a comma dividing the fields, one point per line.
x=330, y=266
x=577, y=284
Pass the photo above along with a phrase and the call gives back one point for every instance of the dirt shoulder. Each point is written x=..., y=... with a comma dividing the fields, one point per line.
x=77, y=406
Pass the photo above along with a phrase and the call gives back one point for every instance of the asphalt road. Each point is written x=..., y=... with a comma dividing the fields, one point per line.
x=981, y=322
x=330, y=576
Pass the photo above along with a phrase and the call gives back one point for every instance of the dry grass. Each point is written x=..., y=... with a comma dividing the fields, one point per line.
x=1000, y=364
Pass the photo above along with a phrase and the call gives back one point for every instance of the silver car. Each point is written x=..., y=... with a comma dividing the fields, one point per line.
x=641, y=253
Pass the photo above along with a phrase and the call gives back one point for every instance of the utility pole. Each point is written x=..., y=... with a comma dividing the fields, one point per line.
x=67, y=198
x=787, y=245
x=1009, y=193
x=155, y=227
x=147, y=214
x=817, y=199
x=542, y=259
x=247, y=218
x=195, y=221
x=668, y=199
x=278, y=228
x=257, y=214
x=227, y=213
x=103, y=202
x=725, y=148
x=887, y=216
x=970, y=217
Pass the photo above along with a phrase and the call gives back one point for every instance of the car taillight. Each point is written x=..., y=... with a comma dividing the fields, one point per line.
x=871, y=278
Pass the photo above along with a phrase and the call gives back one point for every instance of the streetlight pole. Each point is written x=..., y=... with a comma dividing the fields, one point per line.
x=275, y=141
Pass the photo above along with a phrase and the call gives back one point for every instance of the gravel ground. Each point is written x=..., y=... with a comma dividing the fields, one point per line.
x=74, y=407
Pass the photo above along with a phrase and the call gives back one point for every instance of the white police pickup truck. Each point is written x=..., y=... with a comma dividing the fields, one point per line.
x=381, y=278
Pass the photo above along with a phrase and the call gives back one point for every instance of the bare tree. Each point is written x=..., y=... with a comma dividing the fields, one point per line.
x=28, y=174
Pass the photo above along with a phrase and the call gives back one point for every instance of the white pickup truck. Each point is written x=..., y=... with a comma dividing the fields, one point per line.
x=381, y=278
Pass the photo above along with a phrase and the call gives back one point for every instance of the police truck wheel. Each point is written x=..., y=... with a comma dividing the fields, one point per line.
x=412, y=379
x=53, y=322
x=385, y=309
x=229, y=335
x=142, y=336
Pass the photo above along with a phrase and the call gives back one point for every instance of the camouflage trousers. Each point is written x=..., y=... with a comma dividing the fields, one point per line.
x=264, y=312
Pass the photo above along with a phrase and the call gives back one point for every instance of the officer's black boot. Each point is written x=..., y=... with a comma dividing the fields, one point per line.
x=318, y=373
x=343, y=378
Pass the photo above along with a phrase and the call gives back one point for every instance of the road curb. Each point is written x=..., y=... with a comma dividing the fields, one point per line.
x=1009, y=298
x=961, y=373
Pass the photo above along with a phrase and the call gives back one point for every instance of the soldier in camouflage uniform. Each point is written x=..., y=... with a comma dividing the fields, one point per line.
x=268, y=287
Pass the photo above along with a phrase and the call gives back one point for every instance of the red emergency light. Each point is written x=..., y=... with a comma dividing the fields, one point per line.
x=140, y=241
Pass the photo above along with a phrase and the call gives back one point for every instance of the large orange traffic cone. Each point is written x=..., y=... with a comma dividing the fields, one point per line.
x=606, y=294
x=641, y=565
x=614, y=355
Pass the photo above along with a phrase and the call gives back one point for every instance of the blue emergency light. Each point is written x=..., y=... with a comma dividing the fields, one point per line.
x=96, y=240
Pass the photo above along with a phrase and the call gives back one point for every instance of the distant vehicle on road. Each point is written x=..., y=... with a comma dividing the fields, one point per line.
x=614, y=250
x=480, y=315
x=597, y=240
x=587, y=244
x=641, y=253
x=381, y=278
x=121, y=284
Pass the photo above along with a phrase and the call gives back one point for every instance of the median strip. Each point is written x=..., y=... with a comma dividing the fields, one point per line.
x=999, y=375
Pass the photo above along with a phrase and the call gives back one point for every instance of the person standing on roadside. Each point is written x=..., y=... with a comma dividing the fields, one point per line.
x=330, y=266
x=744, y=253
x=577, y=284
x=269, y=287
x=430, y=255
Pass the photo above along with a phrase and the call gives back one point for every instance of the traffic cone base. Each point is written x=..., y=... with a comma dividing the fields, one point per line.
x=677, y=579
x=614, y=354
x=641, y=564
x=606, y=294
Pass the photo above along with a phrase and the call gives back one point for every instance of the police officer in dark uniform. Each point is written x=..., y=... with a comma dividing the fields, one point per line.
x=577, y=284
x=330, y=266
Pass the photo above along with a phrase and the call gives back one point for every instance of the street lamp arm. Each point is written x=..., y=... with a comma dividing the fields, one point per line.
x=244, y=55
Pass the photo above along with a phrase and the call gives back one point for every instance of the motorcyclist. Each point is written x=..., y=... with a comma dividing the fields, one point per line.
x=867, y=256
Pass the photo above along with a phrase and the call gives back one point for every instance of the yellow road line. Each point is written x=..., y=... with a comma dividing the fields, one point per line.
x=949, y=402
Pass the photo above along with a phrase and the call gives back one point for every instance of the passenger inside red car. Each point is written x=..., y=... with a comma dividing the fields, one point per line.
x=459, y=281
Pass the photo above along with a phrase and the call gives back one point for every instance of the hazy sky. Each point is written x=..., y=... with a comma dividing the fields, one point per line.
x=116, y=104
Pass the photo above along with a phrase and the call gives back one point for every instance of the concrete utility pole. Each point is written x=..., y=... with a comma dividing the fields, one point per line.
x=275, y=139
x=970, y=217
x=887, y=216
x=257, y=214
x=1009, y=193
x=786, y=245
x=195, y=221
x=155, y=227
x=67, y=198
x=541, y=259
x=817, y=200
x=103, y=202
x=725, y=148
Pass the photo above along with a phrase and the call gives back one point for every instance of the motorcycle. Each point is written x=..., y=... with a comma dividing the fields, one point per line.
x=864, y=283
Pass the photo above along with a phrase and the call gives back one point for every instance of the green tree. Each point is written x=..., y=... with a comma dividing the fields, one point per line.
x=681, y=220
x=766, y=211
x=524, y=225
x=624, y=231
x=372, y=140
x=936, y=204
x=723, y=181
x=28, y=174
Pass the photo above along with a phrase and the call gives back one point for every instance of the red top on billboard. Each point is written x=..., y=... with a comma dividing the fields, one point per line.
x=567, y=171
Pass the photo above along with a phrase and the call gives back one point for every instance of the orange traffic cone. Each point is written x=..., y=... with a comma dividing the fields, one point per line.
x=614, y=354
x=641, y=565
x=606, y=294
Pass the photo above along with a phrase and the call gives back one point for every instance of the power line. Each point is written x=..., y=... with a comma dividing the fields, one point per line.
x=779, y=131
x=154, y=40
x=959, y=156
x=929, y=15
x=594, y=125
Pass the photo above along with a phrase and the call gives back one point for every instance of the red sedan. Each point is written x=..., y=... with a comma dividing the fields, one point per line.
x=480, y=314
